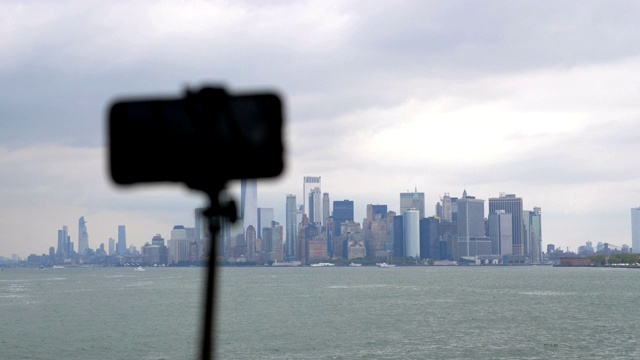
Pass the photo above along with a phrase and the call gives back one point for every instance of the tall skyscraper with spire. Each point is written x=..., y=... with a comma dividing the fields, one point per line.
x=83, y=236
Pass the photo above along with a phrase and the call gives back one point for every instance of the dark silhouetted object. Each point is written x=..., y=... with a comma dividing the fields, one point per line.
x=214, y=136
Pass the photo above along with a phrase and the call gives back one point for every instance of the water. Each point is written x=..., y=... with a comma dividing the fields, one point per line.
x=323, y=313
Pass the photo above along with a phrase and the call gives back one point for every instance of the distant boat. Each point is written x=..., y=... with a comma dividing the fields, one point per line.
x=322, y=264
x=139, y=268
x=57, y=267
x=287, y=263
x=355, y=264
x=385, y=265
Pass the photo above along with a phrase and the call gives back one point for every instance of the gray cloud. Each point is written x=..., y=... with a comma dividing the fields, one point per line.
x=437, y=73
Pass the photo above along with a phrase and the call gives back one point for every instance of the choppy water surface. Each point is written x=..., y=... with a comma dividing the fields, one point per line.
x=323, y=313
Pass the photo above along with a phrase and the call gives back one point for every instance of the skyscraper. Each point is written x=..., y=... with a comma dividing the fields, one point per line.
x=249, y=203
x=500, y=232
x=121, y=245
x=326, y=208
x=446, y=208
x=291, y=231
x=265, y=219
x=375, y=212
x=201, y=224
x=63, y=242
x=83, y=236
x=309, y=183
x=429, y=238
x=470, y=224
x=315, y=206
x=342, y=211
x=412, y=200
x=411, y=232
x=112, y=246
x=178, y=245
x=635, y=230
x=511, y=205
x=532, y=233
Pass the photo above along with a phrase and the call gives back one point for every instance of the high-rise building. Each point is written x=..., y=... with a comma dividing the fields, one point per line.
x=265, y=220
x=291, y=224
x=412, y=200
x=511, y=205
x=376, y=231
x=446, y=208
x=121, y=245
x=376, y=212
x=500, y=233
x=179, y=248
x=470, y=224
x=398, y=236
x=315, y=207
x=429, y=238
x=249, y=203
x=411, y=232
x=83, y=236
x=326, y=208
x=251, y=239
x=309, y=183
x=112, y=246
x=635, y=230
x=201, y=224
x=342, y=211
x=64, y=247
x=532, y=234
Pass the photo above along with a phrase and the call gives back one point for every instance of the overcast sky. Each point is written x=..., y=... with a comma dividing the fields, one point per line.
x=535, y=98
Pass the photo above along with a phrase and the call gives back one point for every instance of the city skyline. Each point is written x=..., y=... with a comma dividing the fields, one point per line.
x=406, y=200
x=533, y=98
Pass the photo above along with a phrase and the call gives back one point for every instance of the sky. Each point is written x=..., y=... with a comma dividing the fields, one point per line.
x=534, y=98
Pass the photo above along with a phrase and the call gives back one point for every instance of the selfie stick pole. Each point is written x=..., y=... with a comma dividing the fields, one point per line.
x=216, y=214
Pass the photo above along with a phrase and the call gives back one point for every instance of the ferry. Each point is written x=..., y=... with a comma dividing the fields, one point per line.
x=322, y=264
x=385, y=265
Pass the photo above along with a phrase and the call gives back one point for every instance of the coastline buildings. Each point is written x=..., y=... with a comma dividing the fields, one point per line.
x=458, y=230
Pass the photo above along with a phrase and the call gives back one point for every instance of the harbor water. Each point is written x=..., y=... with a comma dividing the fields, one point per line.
x=452, y=312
